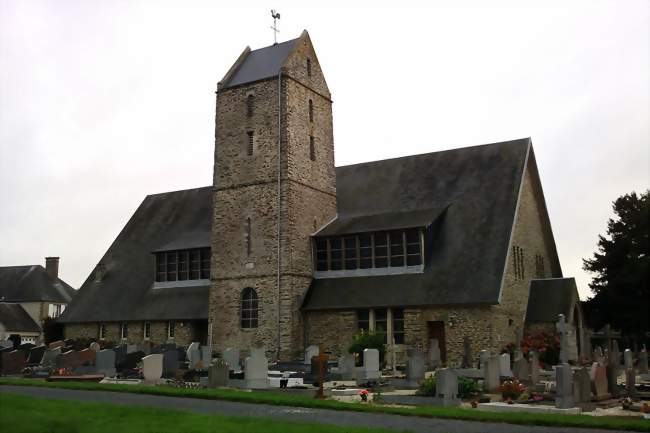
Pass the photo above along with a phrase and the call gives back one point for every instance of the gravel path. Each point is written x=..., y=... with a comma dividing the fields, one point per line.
x=286, y=413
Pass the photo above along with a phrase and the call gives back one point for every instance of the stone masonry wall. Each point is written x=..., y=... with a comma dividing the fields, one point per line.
x=183, y=335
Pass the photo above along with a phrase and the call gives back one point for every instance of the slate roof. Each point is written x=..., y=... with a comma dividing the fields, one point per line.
x=549, y=298
x=14, y=318
x=32, y=283
x=171, y=220
x=260, y=64
x=382, y=221
x=465, y=250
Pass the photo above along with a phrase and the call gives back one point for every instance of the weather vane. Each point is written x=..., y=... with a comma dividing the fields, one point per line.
x=276, y=16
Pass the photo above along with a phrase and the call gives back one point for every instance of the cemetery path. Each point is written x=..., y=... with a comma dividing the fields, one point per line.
x=287, y=413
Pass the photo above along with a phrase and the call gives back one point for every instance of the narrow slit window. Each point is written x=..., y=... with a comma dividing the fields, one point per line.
x=171, y=329
x=248, y=237
x=311, y=110
x=309, y=67
x=249, y=144
x=312, y=149
x=250, y=105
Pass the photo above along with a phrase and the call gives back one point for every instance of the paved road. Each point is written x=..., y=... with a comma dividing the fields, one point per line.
x=286, y=413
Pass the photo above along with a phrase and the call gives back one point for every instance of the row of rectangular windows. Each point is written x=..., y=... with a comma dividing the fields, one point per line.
x=181, y=265
x=396, y=248
x=146, y=331
x=380, y=323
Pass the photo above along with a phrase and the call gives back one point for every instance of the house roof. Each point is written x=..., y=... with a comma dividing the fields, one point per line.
x=260, y=64
x=14, y=318
x=550, y=297
x=172, y=220
x=32, y=283
x=465, y=250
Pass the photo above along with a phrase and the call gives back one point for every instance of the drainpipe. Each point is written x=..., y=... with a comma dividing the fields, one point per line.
x=279, y=201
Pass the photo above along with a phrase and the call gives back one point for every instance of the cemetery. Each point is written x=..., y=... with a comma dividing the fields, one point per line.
x=536, y=380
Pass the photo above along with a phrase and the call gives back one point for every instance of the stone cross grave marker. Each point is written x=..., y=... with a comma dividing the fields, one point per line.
x=231, y=356
x=564, y=386
x=218, y=373
x=152, y=367
x=447, y=387
x=563, y=329
x=256, y=370
x=105, y=362
x=415, y=367
x=467, y=354
x=310, y=352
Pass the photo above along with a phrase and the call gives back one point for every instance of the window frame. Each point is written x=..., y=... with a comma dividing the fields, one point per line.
x=171, y=329
x=146, y=330
x=249, y=306
x=250, y=105
x=191, y=264
x=250, y=143
x=124, y=330
x=101, y=331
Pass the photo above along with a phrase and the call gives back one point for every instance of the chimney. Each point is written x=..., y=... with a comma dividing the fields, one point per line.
x=52, y=266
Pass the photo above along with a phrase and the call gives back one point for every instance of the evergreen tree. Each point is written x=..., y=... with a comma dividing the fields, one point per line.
x=622, y=269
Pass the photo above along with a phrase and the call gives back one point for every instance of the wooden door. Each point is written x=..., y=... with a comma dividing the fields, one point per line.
x=437, y=331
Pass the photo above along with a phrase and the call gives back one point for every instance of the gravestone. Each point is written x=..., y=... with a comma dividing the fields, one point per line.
x=615, y=355
x=346, y=366
x=581, y=386
x=564, y=386
x=587, y=350
x=120, y=354
x=310, y=352
x=69, y=360
x=206, y=356
x=643, y=361
x=491, y=377
x=504, y=365
x=218, y=374
x=628, y=359
x=193, y=355
x=256, y=370
x=447, y=387
x=145, y=347
x=130, y=362
x=435, y=359
x=231, y=356
x=598, y=376
x=49, y=358
x=521, y=370
x=370, y=369
x=86, y=356
x=6, y=344
x=13, y=362
x=467, y=354
x=599, y=356
x=612, y=380
x=105, y=362
x=152, y=367
x=170, y=362
x=563, y=329
x=415, y=367
x=630, y=382
x=534, y=367
x=482, y=358
x=36, y=355
x=55, y=344
x=130, y=348
x=95, y=347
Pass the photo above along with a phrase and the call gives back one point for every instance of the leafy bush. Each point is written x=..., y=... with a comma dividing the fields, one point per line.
x=368, y=340
x=427, y=387
x=467, y=387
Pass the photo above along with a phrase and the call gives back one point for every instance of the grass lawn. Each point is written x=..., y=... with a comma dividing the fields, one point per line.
x=603, y=422
x=40, y=415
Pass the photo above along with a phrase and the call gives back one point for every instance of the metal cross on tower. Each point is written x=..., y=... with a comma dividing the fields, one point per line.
x=276, y=16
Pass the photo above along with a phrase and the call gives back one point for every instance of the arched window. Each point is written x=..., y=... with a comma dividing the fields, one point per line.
x=250, y=104
x=249, y=308
x=311, y=110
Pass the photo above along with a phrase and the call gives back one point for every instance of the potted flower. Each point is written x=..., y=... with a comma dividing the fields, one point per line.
x=511, y=389
x=363, y=394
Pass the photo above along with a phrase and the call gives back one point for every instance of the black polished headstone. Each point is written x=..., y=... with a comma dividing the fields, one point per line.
x=36, y=355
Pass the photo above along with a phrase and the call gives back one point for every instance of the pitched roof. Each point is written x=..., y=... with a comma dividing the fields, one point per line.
x=172, y=220
x=260, y=64
x=550, y=297
x=466, y=249
x=32, y=283
x=14, y=318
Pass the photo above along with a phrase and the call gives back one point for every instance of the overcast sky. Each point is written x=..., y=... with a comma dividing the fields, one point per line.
x=104, y=102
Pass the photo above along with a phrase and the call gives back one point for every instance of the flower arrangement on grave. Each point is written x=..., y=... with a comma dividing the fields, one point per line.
x=368, y=340
x=626, y=403
x=511, y=389
x=363, y=394
x=546, y=344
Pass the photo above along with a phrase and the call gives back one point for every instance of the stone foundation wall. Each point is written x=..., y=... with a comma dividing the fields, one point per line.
x=334, y=330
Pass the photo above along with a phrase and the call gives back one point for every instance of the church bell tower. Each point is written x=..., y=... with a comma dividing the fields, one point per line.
x=274, y=185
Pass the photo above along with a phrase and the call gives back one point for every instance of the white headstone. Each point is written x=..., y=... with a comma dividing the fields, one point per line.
x=152, y=367
x=310, y=352
x=504, y=365
x=193, y=354
x=256, y=370
x=628, y=358
x=491, y=379
x=370, y=369
x=231, y=356
x=643, y=361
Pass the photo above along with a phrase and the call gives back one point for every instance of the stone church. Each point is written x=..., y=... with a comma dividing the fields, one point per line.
x=286, y=250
